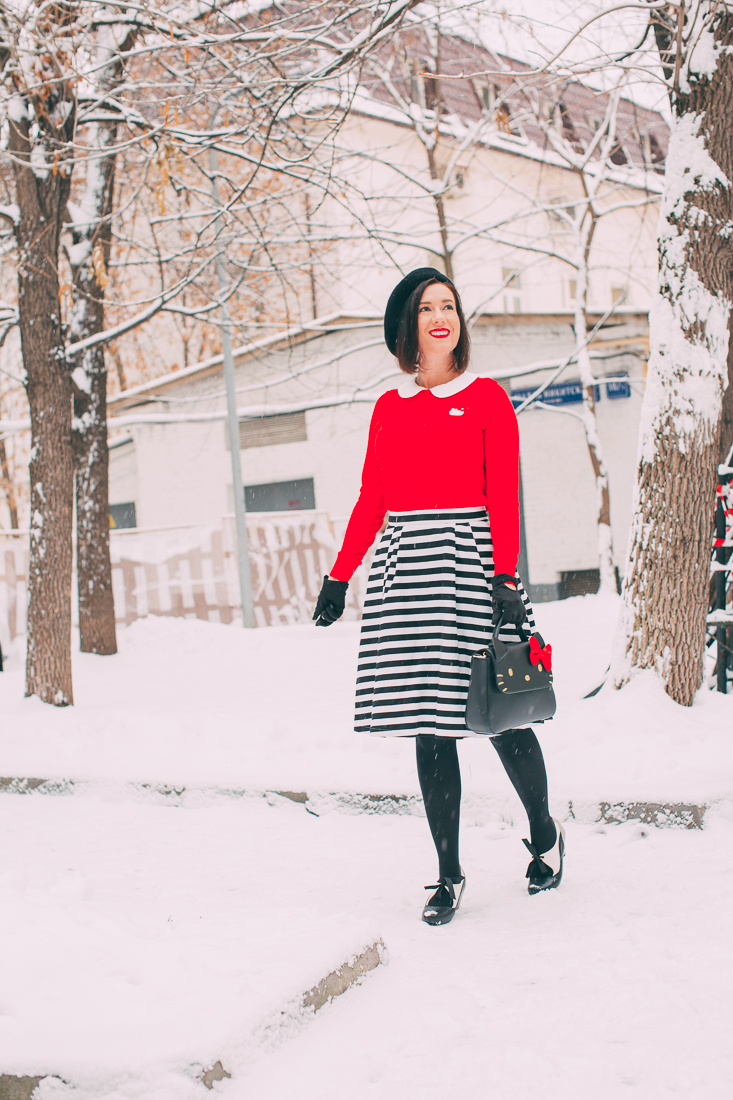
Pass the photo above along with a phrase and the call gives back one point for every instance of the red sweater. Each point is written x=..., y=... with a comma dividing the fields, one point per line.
x=455, y=446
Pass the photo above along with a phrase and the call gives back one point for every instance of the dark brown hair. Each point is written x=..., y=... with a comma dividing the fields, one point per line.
x=407, y=349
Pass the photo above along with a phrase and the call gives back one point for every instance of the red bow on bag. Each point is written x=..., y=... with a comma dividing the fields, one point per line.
x=537, y=653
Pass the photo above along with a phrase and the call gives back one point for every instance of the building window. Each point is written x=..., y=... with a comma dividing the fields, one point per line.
x=489, y=95
x=489, y=98
x=583, y=582
x=280, y=496
x=550, y=113
x=651, y=151
x=122, y=515
x=511, y=278
x=567, y=128
x=268, y=431
x=560, y=207
x=432, y=94
x=512, y=282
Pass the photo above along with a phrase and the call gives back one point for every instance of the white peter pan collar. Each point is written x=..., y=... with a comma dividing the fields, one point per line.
x=409, y=387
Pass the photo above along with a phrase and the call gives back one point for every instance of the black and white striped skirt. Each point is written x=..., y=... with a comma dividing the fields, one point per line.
x=427, y=611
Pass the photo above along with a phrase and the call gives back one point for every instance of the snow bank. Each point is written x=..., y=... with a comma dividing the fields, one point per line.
x=200, y=704
x=132, y=938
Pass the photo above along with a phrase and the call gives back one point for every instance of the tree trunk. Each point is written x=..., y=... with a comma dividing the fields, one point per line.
x=42, y=193
x=8, y=486
x=666, y=584
x=446, y=252
x=606, y=567
x=431, y=149
x=90, y=261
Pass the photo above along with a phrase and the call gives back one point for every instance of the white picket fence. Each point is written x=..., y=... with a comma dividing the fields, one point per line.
x=191, y=572
x=13, y=581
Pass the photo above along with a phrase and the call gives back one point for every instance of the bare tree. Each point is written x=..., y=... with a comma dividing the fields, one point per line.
x=41, y=116
x=418, y=76
x=69, y=100
x=597, y=194
x=89, y=254
x=665, y=596
x=685, y=414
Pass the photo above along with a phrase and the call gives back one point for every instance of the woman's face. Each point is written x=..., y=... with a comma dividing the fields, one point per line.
x=438, y=326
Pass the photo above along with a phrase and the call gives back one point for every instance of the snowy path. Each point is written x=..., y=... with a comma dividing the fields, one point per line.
x=616, y=985
x=139, y=939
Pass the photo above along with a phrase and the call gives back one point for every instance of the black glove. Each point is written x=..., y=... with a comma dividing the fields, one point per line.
x=508, y=603
x=331, y=602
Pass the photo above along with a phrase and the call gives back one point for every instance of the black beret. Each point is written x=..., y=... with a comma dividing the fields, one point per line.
x=399, y=296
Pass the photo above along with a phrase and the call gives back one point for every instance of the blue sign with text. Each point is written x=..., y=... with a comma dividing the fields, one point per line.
x=570, y=393
x=566, y=393
x=618, y=389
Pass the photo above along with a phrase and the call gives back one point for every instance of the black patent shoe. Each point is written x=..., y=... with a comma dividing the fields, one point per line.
x=441, y=907
x=545, y=870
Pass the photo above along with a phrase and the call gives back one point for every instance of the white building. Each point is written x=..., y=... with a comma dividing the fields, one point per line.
x=305, y=399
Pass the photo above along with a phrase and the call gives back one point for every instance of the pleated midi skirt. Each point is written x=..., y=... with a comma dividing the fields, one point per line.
x=427, y=610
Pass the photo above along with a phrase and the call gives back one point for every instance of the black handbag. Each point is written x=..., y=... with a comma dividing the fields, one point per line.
x=511, y=685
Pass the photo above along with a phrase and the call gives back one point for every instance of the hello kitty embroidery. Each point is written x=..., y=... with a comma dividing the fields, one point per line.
x=456, y=412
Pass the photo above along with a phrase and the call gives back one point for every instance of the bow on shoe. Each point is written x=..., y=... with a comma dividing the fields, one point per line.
x=537, y=866
x=537, y=653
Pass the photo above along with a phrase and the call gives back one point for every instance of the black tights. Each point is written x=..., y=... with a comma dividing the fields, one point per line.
x=440, y=783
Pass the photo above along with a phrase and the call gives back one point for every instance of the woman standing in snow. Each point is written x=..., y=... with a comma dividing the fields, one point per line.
x=443, y=461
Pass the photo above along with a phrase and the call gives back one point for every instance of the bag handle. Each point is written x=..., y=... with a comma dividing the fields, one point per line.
x=500, y=647
x=519, y=627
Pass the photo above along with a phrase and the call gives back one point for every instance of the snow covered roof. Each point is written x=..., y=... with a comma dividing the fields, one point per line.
x=332, y=322
x=517, y=94
x=518, y=97
x=146, y=392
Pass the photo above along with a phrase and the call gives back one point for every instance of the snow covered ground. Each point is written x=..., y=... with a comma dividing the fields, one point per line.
x=139, y=941
x=201, y=704
x=615, y=985
x=143, y=938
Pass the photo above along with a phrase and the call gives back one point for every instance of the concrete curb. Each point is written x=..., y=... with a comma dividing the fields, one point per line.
x=304, y=1006
x=338, y=981
x=300, y=1011
x=679, y=815
x=18, y=1088
x=676, y=815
